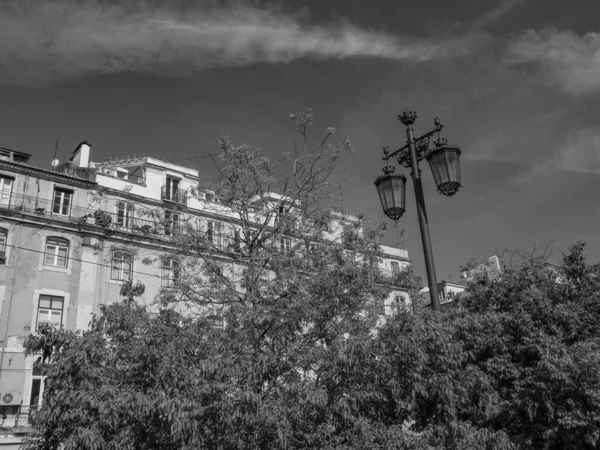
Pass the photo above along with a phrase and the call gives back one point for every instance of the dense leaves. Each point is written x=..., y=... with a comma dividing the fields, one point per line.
x=536, y=334
x=516, y=365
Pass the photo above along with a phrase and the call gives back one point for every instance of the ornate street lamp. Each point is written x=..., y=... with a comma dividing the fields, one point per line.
x=444, y=163
x=392, y=192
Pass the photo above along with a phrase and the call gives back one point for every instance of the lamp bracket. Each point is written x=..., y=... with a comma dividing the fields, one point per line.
x=422, y=143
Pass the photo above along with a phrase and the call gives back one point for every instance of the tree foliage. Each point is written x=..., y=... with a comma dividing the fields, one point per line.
x=305, y=359
x=535, y=334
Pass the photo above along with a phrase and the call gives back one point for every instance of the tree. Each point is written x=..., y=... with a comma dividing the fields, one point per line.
x=535, y=334
x=296, y=307
x=273, y=338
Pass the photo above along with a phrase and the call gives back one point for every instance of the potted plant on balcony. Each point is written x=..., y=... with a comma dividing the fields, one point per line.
x=88, y=218
x=102, y=218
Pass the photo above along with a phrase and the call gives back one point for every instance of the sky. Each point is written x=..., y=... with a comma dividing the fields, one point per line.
x=516, y=84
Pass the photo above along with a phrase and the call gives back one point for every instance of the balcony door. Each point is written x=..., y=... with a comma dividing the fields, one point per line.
x=6, y=185
x=172, y=188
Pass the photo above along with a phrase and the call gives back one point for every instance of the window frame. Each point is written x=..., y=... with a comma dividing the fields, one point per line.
x=214, y=233
x=172, y=187
x=168, y=268
x=236, y=240
x=59, y=242
x=4, y=244
x=3, y=200
x=125, y=220
x=49, y=309
x=216, y=320
x=285, y=245
x=38, y=376
x=118, y=264
x=62, y=201
x=172, y=222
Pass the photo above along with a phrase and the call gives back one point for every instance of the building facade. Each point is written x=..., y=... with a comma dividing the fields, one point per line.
x=71, y=236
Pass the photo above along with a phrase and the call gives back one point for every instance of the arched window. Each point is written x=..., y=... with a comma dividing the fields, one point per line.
x=398, y=304
x=170, y=272
x=57, y=252
x=122, y=265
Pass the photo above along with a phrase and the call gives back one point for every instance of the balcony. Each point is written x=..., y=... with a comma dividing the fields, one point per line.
x=170, y=194
x=139, y=225
x=41, y=207
x=125, y=223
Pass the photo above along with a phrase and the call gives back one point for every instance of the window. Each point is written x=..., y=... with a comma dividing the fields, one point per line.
x=170, y=272
x=237, y=242
x=398, y=303
x=50, y=310
x=395, y=267
x=172, y=191
x=350, y=237
x=285, y=245
x=37, y=385
x=122, y=265
x=213, y=233
x=5, y=190
x=125, y=214
x=57, y=252
x=61, y=204
x=3, y=239
x=216, y=321
x=171, y=222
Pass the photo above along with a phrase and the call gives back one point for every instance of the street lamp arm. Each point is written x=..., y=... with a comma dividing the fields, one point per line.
x=402, y=154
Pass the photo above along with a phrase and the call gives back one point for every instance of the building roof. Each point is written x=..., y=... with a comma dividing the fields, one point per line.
x=15, y=151
x=50, y=172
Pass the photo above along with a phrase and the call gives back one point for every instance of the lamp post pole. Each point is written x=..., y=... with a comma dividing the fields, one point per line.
x=444, y=163
x=407, y=120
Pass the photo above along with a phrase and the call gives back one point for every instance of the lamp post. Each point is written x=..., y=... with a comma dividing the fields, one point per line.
x=444, y=163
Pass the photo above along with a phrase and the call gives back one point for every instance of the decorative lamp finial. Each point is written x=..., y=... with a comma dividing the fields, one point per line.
x=407, y=117
x=387, y=169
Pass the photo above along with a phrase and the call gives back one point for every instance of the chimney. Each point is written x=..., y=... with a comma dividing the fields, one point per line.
x=81, y=155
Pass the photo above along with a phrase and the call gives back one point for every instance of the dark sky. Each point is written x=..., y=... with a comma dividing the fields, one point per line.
x=516, y=84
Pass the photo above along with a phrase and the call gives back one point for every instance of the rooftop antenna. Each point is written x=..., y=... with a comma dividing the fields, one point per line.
x=182, y=156
x=399, y=236
x=55, y=161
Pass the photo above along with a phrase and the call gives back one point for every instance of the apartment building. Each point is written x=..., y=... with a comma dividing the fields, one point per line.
x=72, y=234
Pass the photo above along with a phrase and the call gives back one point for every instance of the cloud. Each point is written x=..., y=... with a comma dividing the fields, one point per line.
x=581, y=152
x=68, y=39
x=496, y=14
x=570, y=60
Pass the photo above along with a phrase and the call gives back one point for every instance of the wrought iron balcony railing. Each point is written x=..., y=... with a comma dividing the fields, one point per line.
x=128, y=222
x=170, y=194
x=63, y=210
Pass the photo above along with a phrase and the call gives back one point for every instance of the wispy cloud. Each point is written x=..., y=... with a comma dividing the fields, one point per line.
x=570, y=60
x=497, y=13
x=580, y=152
x=66, y=39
